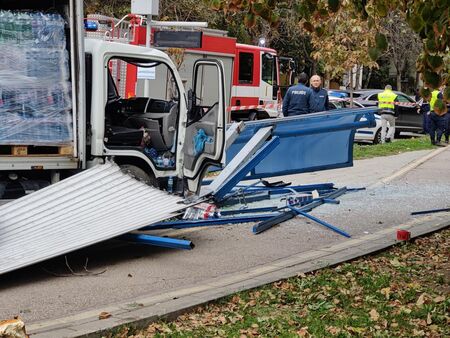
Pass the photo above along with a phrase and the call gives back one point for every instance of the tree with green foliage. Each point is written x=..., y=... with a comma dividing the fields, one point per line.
x=340, y=41
x=429, y=19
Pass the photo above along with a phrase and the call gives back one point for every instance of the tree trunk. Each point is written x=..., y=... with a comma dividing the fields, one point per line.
x=326, y=80
x=314, y=69
x=369, y=75
x=399, y=81
x=351, y=88
x=417, y=84
x=357, y=77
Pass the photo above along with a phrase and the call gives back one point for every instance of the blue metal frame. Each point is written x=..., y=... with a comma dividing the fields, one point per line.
x=306, y=131
x=288, y=189
x=164, y=242
x=317, y=220
x=248, y=211
x=265, y=225
x=181, y=224
x=423, y=212
x=248, y=166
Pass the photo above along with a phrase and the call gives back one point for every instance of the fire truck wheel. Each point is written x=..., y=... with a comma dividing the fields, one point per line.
x=139, y=174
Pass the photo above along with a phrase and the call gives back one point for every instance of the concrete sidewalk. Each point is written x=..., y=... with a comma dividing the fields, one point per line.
x=142, y=282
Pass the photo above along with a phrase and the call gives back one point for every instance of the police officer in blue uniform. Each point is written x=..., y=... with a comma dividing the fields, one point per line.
x=319, y=98
x=298, y=98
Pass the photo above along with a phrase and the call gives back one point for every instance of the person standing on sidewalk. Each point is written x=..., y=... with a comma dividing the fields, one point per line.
x=298, y=98
x=388, y=113
x=319, y=98
x=437, y=119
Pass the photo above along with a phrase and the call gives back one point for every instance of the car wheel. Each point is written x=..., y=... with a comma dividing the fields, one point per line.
x=377, y=138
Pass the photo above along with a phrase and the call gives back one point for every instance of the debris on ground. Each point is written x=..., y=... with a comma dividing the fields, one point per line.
x=13, y=328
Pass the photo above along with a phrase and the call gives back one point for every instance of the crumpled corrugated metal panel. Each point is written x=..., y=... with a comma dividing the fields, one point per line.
x=90, y=207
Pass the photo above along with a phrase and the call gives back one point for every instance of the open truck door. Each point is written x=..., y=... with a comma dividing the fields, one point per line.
x=205, y=131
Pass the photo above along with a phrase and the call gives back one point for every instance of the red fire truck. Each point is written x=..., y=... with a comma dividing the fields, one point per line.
x=252, y=73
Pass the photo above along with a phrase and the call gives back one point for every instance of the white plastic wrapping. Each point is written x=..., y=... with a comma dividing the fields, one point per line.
x=35, y=92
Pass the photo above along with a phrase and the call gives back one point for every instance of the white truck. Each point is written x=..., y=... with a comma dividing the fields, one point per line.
x=156, y=136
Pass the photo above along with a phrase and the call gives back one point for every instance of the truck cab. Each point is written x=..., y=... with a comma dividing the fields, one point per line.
x=161, y=132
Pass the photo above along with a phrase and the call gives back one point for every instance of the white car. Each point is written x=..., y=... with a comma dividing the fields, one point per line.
x=372, y=135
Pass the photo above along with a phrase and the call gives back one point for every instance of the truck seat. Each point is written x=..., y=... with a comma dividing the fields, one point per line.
x=167, y=120
x=160, y=120
x=152, y=126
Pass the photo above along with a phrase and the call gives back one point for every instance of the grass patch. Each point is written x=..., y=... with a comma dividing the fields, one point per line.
x=403, y=292
x=393, y=148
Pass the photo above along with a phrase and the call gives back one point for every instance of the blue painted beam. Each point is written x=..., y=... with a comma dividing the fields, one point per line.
x=325, y=224
x=181, y=224
x=423, y=212
x=246, y=168
x=164, y=242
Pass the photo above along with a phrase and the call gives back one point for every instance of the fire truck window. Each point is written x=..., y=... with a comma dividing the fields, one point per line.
x=268, y=69
x=245, y=68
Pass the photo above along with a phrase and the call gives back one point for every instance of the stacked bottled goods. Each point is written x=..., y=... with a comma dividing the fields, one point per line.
x=35, y=91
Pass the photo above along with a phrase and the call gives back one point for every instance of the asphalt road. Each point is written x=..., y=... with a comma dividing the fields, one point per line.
x=123, y=272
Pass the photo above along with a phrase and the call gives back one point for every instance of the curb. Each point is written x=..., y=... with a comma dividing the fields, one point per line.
x=147, y=309
x=412, y=165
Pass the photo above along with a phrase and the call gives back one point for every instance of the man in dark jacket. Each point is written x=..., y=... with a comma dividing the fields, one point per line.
x=319, y=98
x=297, y=98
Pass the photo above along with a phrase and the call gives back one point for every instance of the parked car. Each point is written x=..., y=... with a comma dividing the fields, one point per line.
x=409, y=119
x=339, y=93
x=372, y=135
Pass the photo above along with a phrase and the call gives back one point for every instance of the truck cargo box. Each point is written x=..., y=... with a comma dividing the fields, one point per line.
x=41, y=84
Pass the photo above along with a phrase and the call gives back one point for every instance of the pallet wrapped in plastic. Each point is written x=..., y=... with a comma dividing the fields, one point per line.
x=35, y=91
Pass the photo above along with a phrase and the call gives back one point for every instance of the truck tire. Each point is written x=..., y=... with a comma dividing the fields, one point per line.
x=139, y=174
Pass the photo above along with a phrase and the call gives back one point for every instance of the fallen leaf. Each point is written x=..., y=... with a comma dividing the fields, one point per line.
x=421, y=300
x=386, y=292
x=418, y=333
x=303, y=331
x=395, y=262
x=356, y=329
x=405, y=310
x=333, y=330
x=429, y=321
x=374, y=315
x=104, y=315
x=439, y=299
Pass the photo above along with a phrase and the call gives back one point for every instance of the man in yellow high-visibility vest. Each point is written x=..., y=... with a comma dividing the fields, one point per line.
x=438, y=121
x=388, y=113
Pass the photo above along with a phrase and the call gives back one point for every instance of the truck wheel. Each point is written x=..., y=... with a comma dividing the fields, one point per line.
x=139, y=174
